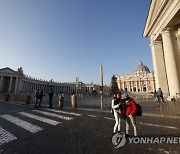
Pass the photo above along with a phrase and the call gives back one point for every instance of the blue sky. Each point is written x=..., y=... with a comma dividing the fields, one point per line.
x=65, y=39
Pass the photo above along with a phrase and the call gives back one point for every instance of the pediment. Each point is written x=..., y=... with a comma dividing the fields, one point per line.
x=8, y=70
x=155, y=10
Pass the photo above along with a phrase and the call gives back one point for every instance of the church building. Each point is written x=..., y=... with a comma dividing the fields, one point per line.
x=142, y=80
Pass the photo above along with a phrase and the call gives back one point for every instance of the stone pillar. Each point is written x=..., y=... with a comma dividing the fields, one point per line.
x=1, y=83
x=123, y=86
x=176, y=46
x=20, y=85
x=16, y=85
x=170, y=62
x=129, y=86
x=118, y=82
x=132, y=84
x=159, y=66
x=10, y=85
x=136, y=86
x=147, y=85
x=178, y=38
x=140, y=86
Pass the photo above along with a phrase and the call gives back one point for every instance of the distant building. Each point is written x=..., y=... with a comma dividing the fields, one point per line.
x=17, y=82
x=142, y=80
x=163, y=29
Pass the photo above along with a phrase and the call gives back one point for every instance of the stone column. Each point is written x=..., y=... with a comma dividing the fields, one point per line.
x=136, y=86
x=16, y=85
x=176, y=46
x=147, y=85
x=140, y=86
x=123, y=85
x=170, y=62
x=178, y=38
x=159, y=66
x=20, y=85
x=10, y=85
x=118, y=82
x=128, y=84
x=132, y=84
x=1, y=82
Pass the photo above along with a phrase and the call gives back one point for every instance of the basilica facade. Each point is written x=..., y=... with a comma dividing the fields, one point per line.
x=141, y=80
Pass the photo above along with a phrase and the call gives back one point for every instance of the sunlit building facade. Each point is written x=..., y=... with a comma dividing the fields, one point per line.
x=163, y=29
x=141, y=80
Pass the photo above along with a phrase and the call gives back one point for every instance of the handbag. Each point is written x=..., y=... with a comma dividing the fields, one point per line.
x=112, y=111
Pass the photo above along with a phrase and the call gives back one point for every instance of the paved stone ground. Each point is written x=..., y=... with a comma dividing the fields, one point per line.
x=89, y=133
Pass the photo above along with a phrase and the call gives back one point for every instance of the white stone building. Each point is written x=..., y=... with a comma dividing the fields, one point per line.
x=17, y=82
x=163, y=29
x=142, y=80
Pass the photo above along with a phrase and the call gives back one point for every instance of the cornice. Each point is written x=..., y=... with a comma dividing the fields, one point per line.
x=149, y=26
x=161, y=19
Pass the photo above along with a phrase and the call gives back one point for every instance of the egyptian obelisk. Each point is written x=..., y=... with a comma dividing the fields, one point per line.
x=101, y=85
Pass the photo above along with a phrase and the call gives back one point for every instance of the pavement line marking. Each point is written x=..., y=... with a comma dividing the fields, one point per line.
x=109, y=118
x=58, y=111
x=53, y=115
x=90, y=115
x=6, y=136
x=155, y=125
x=23, y=124
x=39, y=118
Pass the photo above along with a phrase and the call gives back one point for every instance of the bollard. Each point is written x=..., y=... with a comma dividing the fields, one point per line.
x=73, y=101
x=28, y=100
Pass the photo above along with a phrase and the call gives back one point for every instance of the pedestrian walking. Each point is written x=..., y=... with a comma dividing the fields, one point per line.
x=130, y=111
x=155, y=95
x=37, y=97
x=160, y=96
x=51, y=94
x=41, y=97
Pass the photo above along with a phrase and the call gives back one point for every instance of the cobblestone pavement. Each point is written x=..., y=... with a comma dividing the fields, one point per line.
x=25, y=129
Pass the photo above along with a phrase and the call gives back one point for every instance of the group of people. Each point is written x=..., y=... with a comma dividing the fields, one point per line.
x=159, y=96
x=39, y=98
x=124, y=108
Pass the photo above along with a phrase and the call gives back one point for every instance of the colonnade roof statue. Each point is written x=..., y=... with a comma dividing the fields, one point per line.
x=16, y=81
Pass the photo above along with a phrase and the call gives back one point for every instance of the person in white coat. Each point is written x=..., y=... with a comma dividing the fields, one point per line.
x=117, y=111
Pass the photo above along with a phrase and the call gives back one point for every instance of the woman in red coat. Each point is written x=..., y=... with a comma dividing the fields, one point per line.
x=130, y=111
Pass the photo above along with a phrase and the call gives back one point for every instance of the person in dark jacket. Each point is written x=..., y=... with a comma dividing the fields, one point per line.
x=41, y=97
x=160, y=96
x=51, y=94
x=37, y=97
x=130, y=111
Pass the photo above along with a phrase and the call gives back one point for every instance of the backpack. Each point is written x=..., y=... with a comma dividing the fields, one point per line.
x=139, y=110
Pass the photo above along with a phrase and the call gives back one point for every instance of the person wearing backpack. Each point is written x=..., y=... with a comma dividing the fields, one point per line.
x=130, y=111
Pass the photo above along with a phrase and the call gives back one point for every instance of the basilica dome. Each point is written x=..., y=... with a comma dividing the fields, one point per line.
x=141, y=68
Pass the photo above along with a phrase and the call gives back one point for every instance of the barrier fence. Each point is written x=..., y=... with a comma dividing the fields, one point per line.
x=94, y=102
